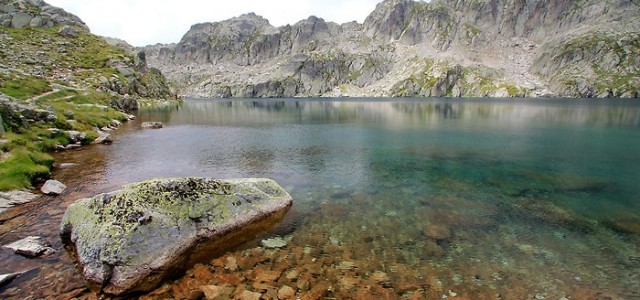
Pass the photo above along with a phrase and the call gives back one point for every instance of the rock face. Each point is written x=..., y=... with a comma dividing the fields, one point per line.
x=130, y=240
x=412, y=48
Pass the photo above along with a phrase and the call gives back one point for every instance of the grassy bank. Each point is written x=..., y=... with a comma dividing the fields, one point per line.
x=55, y=88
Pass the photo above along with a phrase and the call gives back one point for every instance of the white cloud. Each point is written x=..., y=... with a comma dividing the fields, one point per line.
x=143, y=22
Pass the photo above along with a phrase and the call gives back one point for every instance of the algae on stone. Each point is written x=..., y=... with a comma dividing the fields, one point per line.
x=130, y=240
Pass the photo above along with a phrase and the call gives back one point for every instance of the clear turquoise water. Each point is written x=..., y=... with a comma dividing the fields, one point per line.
x=537, y=195
x=484, y=199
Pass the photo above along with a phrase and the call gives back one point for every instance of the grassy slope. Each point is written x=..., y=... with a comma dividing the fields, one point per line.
x=50, y=72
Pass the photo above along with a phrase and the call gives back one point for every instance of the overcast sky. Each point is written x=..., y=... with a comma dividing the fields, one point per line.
x=145, y=22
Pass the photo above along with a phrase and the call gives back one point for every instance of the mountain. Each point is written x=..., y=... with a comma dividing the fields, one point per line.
x=503, y=48
x=61, y=86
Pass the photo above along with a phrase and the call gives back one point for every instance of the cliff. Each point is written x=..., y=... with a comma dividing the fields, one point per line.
x=500, y=48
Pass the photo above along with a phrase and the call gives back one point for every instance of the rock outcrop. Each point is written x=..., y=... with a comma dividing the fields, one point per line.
x=36, y=14
x=503, y=48
x=130, y=240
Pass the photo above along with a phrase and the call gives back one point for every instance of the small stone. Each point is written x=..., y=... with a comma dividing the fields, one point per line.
x=76, y=136
x=53, y=187
x=152, y=125
x=73, y=146
x=216, y=292
x=346, y=265
x=31, y=246
x=272, y=243
x=436, y=231
x=54, y=131
x=293, y=274
x=382, y=278
x=248, y=295
x=286, y=292
x=232, y=264
x=103, y=138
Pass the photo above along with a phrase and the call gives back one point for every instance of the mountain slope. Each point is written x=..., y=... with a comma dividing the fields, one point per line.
x=583, y=48
x=60, y=86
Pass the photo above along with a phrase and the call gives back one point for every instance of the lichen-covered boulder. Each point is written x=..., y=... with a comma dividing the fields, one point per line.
x=130, y=240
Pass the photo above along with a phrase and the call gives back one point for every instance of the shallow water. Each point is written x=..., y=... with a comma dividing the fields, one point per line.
x=484, y=199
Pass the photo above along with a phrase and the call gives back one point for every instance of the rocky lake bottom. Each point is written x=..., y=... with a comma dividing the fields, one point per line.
x=393, y=199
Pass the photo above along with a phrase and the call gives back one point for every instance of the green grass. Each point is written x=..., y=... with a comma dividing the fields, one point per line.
x=24, y=167
x=23, y=87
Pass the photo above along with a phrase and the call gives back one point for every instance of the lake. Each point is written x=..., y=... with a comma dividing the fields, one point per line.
x=395, y=198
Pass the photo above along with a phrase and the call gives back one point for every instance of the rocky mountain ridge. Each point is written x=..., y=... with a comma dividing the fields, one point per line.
x=469, y=48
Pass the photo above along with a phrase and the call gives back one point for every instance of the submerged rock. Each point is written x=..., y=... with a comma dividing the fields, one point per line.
x=152, y=125
x=132, y=239
x=31, y=246
x=276, y=242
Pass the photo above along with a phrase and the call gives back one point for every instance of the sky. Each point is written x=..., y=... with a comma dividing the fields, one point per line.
x=147, y=22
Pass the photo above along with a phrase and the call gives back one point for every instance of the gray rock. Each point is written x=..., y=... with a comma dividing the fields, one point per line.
x=2, y=131
x=53, y=187
x=15, y=198
x=31, y=246
x=21, y=20
x=8, y=8
x=126, y=72
x=152, y=125
x=67, y=165
x=103, y=138
x=76, y=136
x=7, y=278
x=127, y=105
x=68, y=32
x=131, y=240
x=36, y=22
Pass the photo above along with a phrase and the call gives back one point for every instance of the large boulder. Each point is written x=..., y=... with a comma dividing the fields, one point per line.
x=129, y=241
